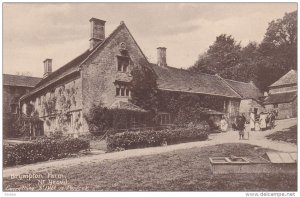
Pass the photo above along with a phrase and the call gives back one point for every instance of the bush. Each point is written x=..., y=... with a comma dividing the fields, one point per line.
x=150, y=138
x=42, y=150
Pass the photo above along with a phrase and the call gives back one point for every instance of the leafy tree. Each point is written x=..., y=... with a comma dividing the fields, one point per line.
x=222, y=55
x=279, y=48
x=144, y=89
x=262, y=63
x=99, y=119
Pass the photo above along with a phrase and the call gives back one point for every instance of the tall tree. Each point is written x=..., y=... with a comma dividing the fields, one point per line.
x=279, y=48
x=262, y=63
x=222, y=55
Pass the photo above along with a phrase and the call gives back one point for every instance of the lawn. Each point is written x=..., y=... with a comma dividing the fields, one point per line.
x=181, y=170
x=288, y=135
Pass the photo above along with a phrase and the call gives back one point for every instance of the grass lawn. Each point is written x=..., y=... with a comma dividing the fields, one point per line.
x=181, y=170
x=288, y=135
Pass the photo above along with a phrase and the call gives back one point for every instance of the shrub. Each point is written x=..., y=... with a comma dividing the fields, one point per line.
x=150, y=138
x=42, y=150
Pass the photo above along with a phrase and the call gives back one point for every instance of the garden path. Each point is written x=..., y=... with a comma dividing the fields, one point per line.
x=256, y=138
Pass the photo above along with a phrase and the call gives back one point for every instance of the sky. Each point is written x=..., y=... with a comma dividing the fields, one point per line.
x=33, y=32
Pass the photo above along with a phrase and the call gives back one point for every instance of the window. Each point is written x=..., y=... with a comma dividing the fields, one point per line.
x=39, y=100
x=127, y=92
x=123, y=63
x=122, y=90
x=275, y=105
x=118, y=91
x=164, y=119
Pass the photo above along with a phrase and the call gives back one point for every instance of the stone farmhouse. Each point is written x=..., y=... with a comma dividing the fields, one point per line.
x=282, y=96
x=250, y=96
x=101, y=74
x=14, y=86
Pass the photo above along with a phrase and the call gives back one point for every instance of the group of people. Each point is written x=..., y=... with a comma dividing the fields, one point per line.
x=260, y=122
x=263, y=121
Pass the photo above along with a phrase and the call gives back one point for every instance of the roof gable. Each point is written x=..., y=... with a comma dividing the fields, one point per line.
x=22, y=81
x=75, y=64
x=246, y=90
x=110, y=37
x=288, y=78
x=174, y=79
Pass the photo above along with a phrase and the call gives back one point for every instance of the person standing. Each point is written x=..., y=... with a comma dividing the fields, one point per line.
x=241, y=120
x=223, y=124
x=252, y=121
x=262, y=121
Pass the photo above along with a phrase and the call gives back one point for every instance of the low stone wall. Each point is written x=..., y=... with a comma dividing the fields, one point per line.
x=229, y=168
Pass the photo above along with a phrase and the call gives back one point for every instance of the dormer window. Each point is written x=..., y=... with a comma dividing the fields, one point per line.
x=123, y=63
x=122, y=90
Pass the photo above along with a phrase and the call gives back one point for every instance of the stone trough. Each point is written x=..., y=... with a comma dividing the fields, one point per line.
x=271, y=162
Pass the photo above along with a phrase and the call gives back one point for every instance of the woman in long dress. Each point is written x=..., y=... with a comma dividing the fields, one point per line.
x=252, y=121
x=224, y=124
x=262, y=121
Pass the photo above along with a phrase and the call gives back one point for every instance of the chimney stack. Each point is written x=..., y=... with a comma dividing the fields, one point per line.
x=47, y=67
x=161, y=56
x=97, y=32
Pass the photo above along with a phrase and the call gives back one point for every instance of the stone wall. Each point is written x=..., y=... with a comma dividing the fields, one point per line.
x=285, y=110
x=66, y=96
x=248, y=104
x=11, y=93
x=100, y=72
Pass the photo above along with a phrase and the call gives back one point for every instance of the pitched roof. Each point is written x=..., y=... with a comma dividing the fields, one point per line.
x=72, y=66
x=174, y=79
x=288, y=78
x=246, y=90
x=17, y=80
x=284, y=97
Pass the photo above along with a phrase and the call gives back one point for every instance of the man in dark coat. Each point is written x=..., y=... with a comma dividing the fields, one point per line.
x=240, y=125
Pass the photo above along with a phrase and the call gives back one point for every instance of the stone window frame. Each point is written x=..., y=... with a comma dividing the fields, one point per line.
x=121, y=67
x=122, y=90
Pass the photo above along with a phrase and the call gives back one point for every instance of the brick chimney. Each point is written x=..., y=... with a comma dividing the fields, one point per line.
x=47, y=67
x=161, y=56
x=97, y=32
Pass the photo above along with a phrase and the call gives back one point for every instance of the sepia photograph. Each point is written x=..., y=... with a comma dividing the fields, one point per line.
x=153, y=97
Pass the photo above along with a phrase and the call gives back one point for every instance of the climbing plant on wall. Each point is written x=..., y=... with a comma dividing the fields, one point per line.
x=66, y=100
x=144, y=87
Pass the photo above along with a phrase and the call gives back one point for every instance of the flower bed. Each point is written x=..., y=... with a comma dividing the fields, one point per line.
x=151, y=138
x=42, y=150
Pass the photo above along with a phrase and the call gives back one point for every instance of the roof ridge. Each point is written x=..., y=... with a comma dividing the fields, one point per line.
x=183, y=69
x=230, y=86
x=237, y=81
x=62, y=67
x=22, y=76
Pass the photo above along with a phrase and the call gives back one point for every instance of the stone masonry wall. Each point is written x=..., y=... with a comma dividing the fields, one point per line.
x=68, y=91
x=100, y=72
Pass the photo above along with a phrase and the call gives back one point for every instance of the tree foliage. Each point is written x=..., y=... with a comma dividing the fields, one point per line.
x=223, y=54
x=262, y=63
x=144, y=90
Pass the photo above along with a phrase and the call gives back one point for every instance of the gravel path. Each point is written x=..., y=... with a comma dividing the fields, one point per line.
x=256, y=138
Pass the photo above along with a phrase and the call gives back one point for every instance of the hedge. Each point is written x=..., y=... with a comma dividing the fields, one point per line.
x=42, y=150
x=150, y=138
